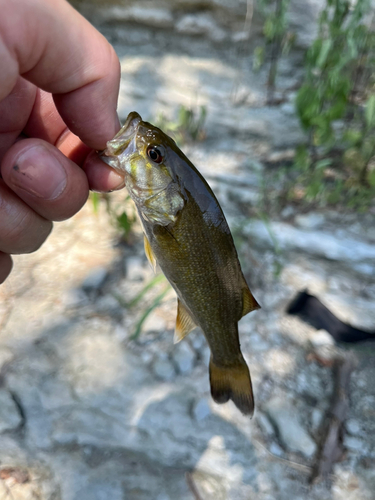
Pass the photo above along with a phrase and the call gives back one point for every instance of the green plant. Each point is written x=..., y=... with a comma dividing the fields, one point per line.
x=336, y=106
x=121, y=211
x=189, y=125
x=147, y=310
x=278, y=40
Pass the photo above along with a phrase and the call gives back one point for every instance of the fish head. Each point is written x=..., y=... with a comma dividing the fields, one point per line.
x=140, y=151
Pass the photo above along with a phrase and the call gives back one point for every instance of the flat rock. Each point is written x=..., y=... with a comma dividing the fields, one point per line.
x=150, y=16
x=317, y=243
x=10, y=417
x=291, y=433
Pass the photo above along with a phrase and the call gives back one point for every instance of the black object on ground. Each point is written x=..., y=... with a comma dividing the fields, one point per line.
x=311, y=310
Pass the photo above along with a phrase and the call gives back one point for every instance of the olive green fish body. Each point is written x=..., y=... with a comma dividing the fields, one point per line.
x=188, y=236
x=199, y=260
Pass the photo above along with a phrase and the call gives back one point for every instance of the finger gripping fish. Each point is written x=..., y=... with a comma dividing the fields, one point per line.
x=187, y=235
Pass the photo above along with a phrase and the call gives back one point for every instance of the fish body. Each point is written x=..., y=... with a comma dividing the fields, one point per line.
x=187, y=235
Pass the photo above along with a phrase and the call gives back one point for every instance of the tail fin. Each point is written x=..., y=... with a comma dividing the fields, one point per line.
x=232, y=382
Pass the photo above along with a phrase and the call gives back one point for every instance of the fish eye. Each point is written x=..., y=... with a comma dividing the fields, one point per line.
x=155, y=154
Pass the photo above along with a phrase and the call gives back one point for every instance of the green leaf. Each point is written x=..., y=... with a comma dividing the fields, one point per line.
x=258, y=59
x=353, y=137
x=148, y=311
x=269, y=29
x=324, y=51
x=302, y=159
x=370, y=111
x=153, y=282
x=322, y=164
x=95, y=198
x=371, y=178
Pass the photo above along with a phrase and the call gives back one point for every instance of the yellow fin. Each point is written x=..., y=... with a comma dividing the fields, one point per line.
x=248, y=301
x=149, y=253
x=184, y=323
x=232, y=382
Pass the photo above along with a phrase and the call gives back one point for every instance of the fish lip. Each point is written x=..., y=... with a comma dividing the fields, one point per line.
x=119, y=145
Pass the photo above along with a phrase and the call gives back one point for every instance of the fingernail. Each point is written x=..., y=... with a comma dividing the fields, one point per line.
x=40, y=173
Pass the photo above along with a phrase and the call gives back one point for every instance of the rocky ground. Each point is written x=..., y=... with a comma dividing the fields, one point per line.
x=88, y=413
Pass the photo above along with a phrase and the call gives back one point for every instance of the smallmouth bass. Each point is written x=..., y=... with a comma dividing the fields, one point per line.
x=187, y=235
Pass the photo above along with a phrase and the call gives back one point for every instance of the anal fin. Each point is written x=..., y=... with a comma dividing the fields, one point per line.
x=248, y=301
x=184, y=322
x=149, y=253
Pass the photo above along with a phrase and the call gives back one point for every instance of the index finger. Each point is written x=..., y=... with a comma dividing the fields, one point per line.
x=50, y=44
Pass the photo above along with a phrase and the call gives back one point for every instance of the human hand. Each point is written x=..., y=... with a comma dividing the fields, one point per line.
x=59, y=83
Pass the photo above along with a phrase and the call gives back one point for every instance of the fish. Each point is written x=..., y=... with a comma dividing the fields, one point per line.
x=187, y=235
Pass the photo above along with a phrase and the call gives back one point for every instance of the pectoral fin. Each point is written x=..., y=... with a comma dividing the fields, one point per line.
x=184, y=323
x=149, y=253
x=248, y=302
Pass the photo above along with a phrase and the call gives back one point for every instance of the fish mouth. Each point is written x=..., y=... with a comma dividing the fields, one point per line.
x=123, y=143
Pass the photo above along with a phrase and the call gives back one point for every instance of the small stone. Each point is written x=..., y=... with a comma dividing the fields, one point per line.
x=74, y=298
x=201, y=410
x=285, y=155
x=200, y=24
x=134, y=268
x=291, y=433
x=198, y=341
x=146, y=356
x=354, y=444
x=310, y=221
x=164, y=369
x=95, y=280
x=275, y=449
x=353, y=427
x=320, y=338
x=316, y=418
x=264, y=424
x=10, y=417
x=241, y=36
x=287, y=212
x=184, y=357
x=107, y=305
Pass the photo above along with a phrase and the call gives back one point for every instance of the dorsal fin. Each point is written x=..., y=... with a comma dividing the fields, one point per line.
x=248, y=301
x=184, y=322
x=149, y=253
